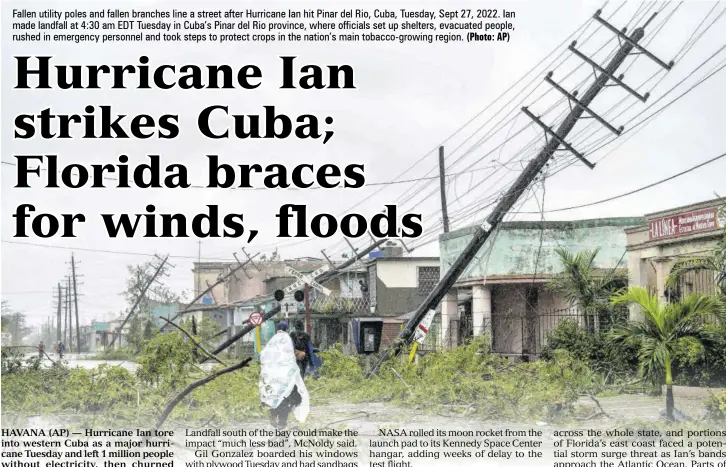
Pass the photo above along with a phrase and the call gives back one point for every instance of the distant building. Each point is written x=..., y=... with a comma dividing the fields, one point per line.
x=502, y=291
x=672, y=235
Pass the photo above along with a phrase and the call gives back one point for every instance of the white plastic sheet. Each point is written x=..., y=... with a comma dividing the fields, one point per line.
x=280, y=374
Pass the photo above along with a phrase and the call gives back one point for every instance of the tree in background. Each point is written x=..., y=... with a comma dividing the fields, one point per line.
x=141, y=325
x=714, y=263
x=664, y=327
x=15, y=324
x=205, y=330
x=586, y=287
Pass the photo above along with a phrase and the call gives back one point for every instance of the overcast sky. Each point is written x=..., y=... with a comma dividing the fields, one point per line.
x=408, y=99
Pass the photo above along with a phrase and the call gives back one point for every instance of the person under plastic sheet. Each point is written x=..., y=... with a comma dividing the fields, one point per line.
x=281, y=385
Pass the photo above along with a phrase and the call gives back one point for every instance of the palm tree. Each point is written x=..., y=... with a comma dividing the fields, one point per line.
x=662, y=327
x=582, y=284
x=714, y=263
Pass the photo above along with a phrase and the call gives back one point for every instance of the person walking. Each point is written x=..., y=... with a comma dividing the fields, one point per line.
x=41, y=350
x=303, y=346
x=61, y=350
x=281, y=385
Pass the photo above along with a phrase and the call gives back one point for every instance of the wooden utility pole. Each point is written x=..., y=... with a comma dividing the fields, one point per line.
x=59, y=323
x=307, y=309
x=442, y=181
x=69, y=316
x=555, y=139
x=138, y=300
x=203, y=292
x=322, y=278
x=75, y=300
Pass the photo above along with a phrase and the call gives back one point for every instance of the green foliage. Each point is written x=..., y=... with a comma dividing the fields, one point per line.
x=165, y=360
x=466, y=379
x=663, y=328
x=613, y=362
x=716, y=406
x=133, y=336
x=703, y=364
x=114, y=354
x=585, y=287
x=206, y=329
x=14, y=361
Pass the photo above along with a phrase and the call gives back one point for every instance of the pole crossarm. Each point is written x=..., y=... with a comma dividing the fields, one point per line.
x=557, y=138
x=614, y=78
x=633, y=44
x=482, y=233
x=574, y=99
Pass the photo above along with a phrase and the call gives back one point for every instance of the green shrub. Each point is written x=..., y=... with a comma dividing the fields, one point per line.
x=700, y=365
x=591, y=347
x=716, y=406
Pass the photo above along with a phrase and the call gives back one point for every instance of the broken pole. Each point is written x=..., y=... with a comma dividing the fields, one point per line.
x=219, y=281
x=245, y=329
x=324, y=277
x=138, y=300
x=178, y=398
x=194, y=341
x=511, y=196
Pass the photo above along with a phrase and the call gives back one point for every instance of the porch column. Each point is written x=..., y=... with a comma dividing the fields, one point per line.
x=481, y=310
x=662, y=269
x=449, y=313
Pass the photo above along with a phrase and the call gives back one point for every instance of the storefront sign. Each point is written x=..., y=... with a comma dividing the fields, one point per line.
x=692, y=222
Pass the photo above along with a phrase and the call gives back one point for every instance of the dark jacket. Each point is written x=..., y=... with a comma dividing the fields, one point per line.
x=300, y=340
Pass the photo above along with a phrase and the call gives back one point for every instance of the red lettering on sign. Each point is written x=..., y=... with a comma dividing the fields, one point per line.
x=702, y=220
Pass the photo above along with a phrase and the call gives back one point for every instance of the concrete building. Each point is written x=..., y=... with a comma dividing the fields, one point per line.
x=669, y=236
x=397, y=284
x=502, y=292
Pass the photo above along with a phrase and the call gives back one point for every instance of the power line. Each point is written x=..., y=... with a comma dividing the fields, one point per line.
x=638, y=190
x=95, y=250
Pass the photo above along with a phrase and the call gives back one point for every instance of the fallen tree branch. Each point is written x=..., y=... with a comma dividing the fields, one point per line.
x=402, y=380
x=194, y=341
x=195, y=385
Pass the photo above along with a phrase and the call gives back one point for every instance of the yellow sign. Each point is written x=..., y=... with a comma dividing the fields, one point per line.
x=258, y=339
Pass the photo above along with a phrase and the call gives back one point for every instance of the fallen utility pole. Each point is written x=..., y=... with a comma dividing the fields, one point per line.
x=210, y=287
x=324, y=277
x=245, y=329
x=178, y=398
x=138, y=300
x=530, y=172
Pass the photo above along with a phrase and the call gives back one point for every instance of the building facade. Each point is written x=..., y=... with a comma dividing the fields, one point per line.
x=502, y=292
x=397, y=285
x=670, y=236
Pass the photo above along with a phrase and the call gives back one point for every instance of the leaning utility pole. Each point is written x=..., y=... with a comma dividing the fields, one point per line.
x=75, y=300
x=321, y=279
x=555, y=140
x=138, y=300
x=210, y=287
x=442, y=181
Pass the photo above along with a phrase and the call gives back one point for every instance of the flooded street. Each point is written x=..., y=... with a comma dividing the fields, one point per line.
x=87, y=362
